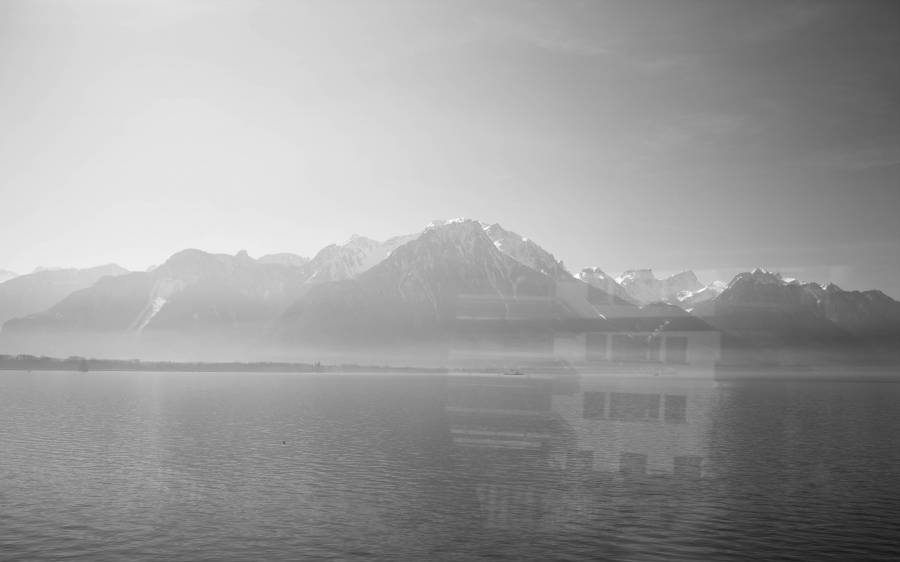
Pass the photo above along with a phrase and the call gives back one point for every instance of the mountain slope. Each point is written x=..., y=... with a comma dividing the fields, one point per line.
x=760, y=309
x=645, y=288
x=526, y=252
x=870, y=314
x=689, y=299
x=193, y=291
x=762, y=304
x=35, y=292
x=337, y=262
x=596, y=277
x=414, y=292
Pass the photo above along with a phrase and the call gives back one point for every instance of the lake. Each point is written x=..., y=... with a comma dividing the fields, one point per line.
x=241, y=466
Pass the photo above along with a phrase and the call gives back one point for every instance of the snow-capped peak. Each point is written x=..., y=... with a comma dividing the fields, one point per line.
x=525, y=251
x=358, y=254
x=437, y=223
x=595, y=273
x=644, y=287
x=636, y=275
x=706, y=293
x=598, y=278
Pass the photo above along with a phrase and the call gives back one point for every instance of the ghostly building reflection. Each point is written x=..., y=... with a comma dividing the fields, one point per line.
x=587, y=409
x=564, y=449
x=585, y=329
x=637, y=426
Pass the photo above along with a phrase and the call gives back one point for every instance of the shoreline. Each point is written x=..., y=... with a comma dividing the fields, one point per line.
x=871, y=372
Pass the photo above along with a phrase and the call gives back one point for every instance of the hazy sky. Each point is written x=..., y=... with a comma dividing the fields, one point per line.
x=709, y=135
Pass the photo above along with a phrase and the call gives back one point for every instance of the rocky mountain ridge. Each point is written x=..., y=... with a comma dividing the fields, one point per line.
x=419, y=286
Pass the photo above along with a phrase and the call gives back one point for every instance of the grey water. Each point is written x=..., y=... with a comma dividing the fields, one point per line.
x=243, y=466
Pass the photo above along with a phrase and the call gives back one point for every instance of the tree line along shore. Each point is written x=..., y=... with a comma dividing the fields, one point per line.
x=84, y=364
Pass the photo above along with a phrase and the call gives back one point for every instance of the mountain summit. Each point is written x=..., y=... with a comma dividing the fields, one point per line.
x=526, y=252
x=414, y=292
x=596, y=277
x=760, y=293
x=644, y=287
x=337, y=262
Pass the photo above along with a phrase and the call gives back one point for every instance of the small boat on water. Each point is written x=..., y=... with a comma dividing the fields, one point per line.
x=515, y=372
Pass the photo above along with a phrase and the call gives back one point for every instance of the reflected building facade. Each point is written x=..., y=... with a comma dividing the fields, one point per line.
x=637, y=426
x=563, y=404
x=584, y=329
x=548, y=455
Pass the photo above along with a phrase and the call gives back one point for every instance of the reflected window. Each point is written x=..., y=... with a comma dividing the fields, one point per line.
x=625, y=406
x=654, y=345
x=593, y=405
x=596, y=347
x=633, y=464
x=688, y=466
x=626, y=347
x=676, y=349
x=675, y=409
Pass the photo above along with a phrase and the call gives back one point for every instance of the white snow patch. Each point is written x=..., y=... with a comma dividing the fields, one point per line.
x=154, y=307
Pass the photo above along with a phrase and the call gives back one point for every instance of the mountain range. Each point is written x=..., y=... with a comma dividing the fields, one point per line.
x=411, y=288
x=413, y=292
x=35, y=292
x=645, y=288
x=762, y=309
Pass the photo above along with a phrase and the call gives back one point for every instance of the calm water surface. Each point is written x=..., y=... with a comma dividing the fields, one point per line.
x=109, y=466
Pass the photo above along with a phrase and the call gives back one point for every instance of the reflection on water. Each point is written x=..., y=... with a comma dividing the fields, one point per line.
x=465, y=466
x=589, y=438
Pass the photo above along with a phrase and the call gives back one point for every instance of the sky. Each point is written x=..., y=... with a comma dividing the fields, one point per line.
x=708, y=135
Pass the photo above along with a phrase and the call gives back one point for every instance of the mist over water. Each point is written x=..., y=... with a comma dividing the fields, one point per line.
x=233, y=466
